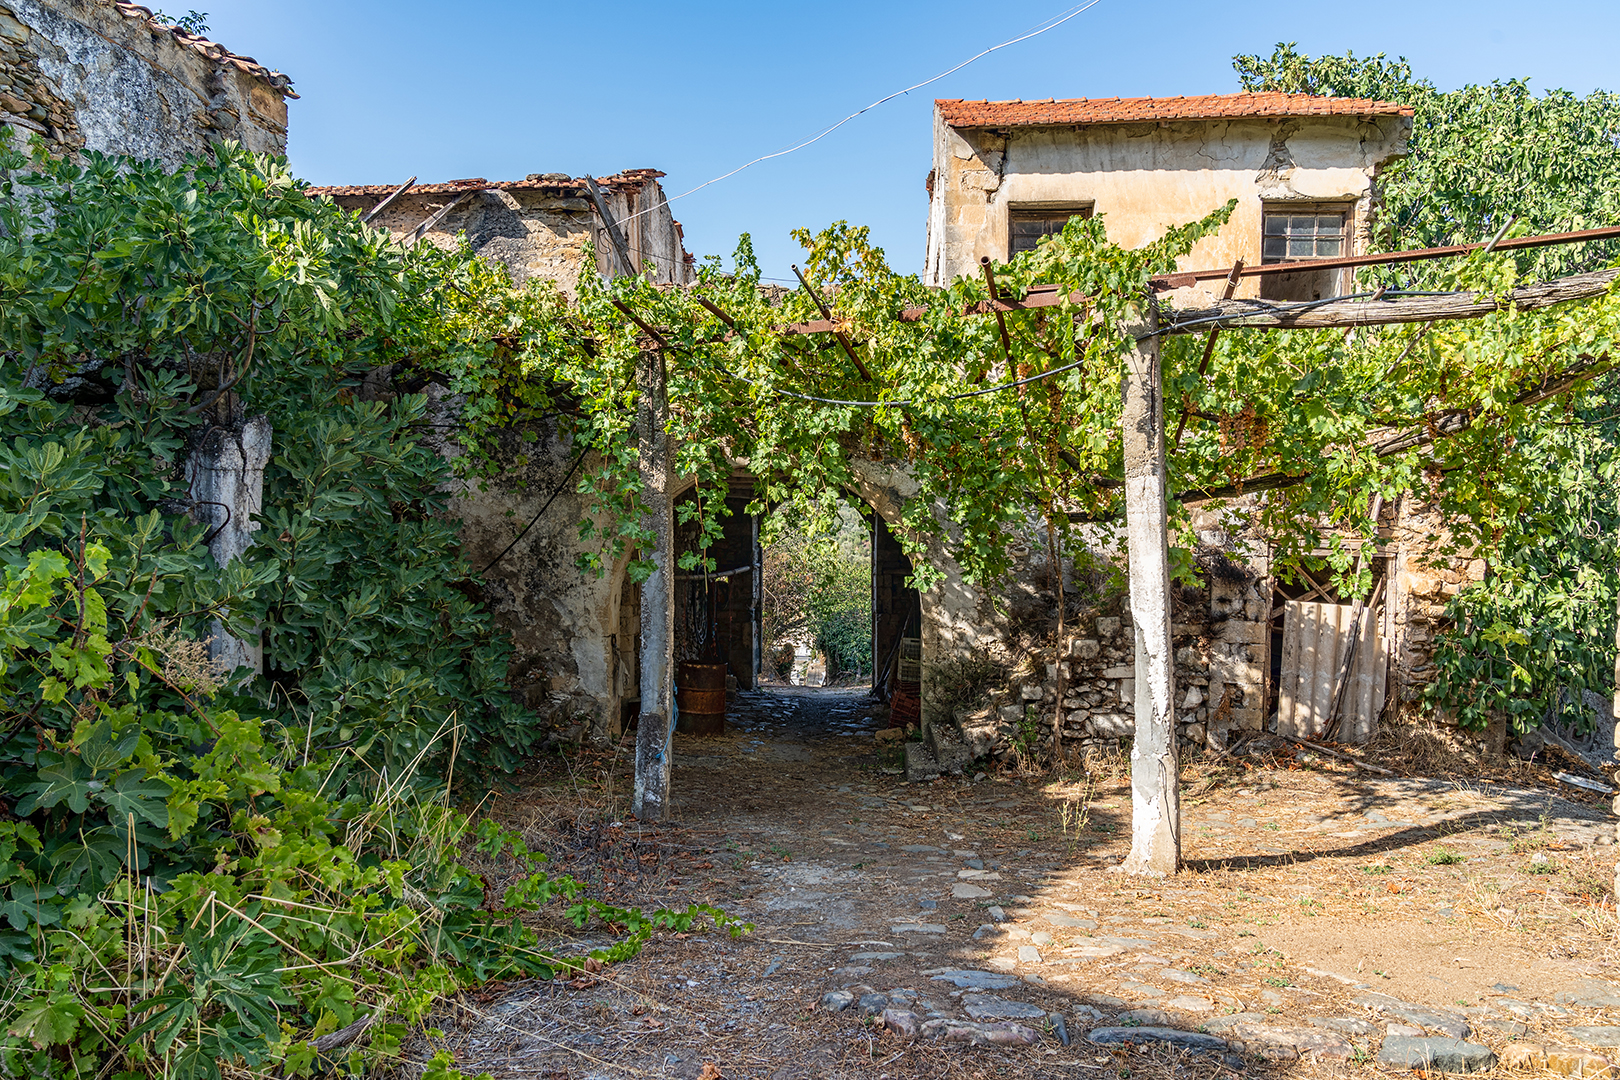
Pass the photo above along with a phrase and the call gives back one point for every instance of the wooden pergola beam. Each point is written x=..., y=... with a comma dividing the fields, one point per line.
x=1343, y=314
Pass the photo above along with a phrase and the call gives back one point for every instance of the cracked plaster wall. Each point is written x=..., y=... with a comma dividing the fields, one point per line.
x=87, y=77
x=572, y=630
x=1144, y=178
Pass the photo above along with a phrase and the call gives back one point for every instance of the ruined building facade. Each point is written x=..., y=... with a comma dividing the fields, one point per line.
x=105, y=75
x=538, y=227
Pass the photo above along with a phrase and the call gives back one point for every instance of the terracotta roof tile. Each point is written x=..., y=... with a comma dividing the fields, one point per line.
x=969, y=114
x=552, y=182
x=211, y=49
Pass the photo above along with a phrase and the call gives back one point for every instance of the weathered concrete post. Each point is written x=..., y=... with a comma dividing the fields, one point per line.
x=656, y=726
x=1614, y=707
x=1155, y=770
x=225, y=478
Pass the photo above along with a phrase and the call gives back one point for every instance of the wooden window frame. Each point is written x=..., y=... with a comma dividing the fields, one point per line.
x=1048, y=213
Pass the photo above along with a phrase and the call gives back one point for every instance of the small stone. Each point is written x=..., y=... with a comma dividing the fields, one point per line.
x=996, y=914
x=1439, y=1055
x=985, y=1007
x=1403, y=1030
x=928, y=905
x=1523, y=1055
x=1028, y=954
x=1040, y=937
x=962, y=890
x=1346, y=1025
x=1567, y=1062
x=872, y=1004
x=966, y=1031
x=837, y=1000
x=1177, y=975
x=1593, y=994
x=1147, y=1017
x=1191, y=1003
x=900, y=1021
x=1190, y=1040
x=1054, y=1021
x=918, y=928
x=1603, y=1036
x=1072, y=922
x=975, y=980
x=1290, y=1043
x=986, y=930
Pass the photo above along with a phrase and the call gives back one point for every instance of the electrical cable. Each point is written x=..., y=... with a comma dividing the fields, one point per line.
x=579, y=457
x=1039, y=29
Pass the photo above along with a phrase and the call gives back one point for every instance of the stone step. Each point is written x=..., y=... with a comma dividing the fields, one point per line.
x=921, y=764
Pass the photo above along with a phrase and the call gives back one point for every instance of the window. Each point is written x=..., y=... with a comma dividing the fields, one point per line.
x=1027, y=225
x=1291, y=236
x=1300, y=232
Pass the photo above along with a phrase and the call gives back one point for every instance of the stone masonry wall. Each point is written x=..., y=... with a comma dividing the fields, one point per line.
x=538, y=227
x=1219, y=634
x=105, y=76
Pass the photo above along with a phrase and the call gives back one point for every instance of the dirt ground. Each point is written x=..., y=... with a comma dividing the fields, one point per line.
x=1309, y=886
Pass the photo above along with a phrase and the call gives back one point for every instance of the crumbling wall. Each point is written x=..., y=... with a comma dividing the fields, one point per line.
x=1219, y=629
x=104, y=75
x=574, y=649
x=537, y=227
x=1424, y=579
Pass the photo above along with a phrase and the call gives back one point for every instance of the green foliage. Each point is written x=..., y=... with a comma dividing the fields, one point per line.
x=1538, y=495
x=818, y=589
x=1478, y=156
x=1539, y=631
x=199, y=875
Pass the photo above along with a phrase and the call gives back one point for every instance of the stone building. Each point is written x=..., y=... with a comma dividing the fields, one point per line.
x=538, y=226
x=106, y=75
x=1302, y=169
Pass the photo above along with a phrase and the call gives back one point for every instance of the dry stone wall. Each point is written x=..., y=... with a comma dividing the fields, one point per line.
x=1219, y=636
x=105, y=76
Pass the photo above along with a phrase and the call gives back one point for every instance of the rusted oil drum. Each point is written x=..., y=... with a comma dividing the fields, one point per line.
x=700, y=696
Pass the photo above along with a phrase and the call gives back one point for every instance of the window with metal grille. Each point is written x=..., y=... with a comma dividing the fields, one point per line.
x=1292, y=235
x=1026, y=227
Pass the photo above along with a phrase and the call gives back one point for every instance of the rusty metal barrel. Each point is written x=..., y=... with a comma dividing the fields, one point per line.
x=700, y=695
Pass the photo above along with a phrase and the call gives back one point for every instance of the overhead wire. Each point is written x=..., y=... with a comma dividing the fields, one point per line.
x=1040, y=28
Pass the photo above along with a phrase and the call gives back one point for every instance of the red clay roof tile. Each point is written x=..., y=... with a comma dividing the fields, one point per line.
x=213, y=50
x=629, y=178
x=971, y=114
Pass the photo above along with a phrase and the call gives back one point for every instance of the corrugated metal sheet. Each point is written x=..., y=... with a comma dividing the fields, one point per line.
x=1315, y=638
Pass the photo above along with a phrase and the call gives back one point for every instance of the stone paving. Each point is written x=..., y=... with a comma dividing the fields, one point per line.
x=964, y=912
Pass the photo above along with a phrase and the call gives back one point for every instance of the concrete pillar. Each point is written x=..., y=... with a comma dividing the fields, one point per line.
x=1155, y=770
x=654, y=735
x=225, y=480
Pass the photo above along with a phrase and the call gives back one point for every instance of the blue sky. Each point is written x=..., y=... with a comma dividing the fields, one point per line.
x=503, y=88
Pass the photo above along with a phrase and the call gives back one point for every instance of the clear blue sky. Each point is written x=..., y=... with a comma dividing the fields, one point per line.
x=503, y=88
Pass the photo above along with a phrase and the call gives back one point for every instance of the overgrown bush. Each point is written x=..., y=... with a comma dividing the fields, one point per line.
x=818, y=591
x=197, y=873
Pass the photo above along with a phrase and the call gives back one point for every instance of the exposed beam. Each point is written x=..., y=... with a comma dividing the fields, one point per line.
x=1386, y=258
x=611, y=227
x=380, y=207
x=1338, y=314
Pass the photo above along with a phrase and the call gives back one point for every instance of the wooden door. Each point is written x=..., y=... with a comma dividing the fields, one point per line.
x=1315, y=639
